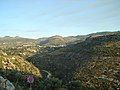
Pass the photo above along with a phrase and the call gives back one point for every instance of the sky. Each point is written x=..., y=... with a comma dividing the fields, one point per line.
x=44, y=18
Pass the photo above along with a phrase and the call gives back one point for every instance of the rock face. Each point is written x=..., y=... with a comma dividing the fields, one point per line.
x=6, y=84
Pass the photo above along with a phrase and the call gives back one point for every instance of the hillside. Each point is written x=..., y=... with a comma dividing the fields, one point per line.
x=88, y=62
x=48, y=41
x=17, y=69
x=16, y=41
x=72, y=57
x=59, y=40
x=17, y=63
x=100, y=73
x=54, y=40
x=13, y=64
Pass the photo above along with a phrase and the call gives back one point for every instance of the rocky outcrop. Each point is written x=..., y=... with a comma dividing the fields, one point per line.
x=6, y=84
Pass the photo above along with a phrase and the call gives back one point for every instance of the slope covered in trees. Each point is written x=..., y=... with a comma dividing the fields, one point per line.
x=67, y=62
x=91, y=62
x=13, y=64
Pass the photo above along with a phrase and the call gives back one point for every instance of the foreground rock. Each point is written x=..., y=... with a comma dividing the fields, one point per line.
x=6, y=84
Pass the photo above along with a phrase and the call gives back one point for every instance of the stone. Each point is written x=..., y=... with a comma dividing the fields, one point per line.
x=6, y=84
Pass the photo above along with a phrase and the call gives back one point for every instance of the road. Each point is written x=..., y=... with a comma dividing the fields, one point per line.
x=48, y=73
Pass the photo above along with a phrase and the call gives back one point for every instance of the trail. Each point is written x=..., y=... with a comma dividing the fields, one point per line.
x=48, y=73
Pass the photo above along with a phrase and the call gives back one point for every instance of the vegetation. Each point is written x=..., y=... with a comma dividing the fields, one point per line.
x=90, y=63
x=73, y=58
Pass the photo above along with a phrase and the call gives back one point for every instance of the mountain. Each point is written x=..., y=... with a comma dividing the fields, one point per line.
x=85, y=62
x=75, y=39
x=76, y=61
x=46, y=41
x=15, y=41
x=103, y=33
x=102, y=71
x=41, y=39
x=49, y=41
x=54, y=40
x=59, y=40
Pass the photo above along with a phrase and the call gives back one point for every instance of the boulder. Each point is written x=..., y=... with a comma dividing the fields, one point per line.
x=5, y=84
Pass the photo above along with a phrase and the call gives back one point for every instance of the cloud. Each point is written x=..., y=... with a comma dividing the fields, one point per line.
x=90, y=6
x=57, y=12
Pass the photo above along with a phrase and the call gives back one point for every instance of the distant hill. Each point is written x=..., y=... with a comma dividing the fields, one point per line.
x=13, y=41
x=103, y=33
x=59, y=40
x=49, y=41
x=41, y=39
x=75, y=39
x=66, y=63
x=54, y=40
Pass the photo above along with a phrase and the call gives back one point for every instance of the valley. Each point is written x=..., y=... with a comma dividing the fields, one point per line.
x=83, y=62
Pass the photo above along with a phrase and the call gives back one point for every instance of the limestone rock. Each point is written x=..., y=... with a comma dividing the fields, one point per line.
x=6, y=84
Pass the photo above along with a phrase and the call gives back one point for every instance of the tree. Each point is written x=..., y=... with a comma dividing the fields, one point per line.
x=74, y=85
x=52, y=84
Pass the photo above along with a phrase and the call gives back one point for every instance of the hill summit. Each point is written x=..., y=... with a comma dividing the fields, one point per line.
x=54, y=40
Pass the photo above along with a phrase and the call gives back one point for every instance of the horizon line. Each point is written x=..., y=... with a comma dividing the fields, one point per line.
x=20, y=36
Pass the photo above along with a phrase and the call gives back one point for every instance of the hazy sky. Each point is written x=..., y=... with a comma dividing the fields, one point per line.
x=43, y=18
